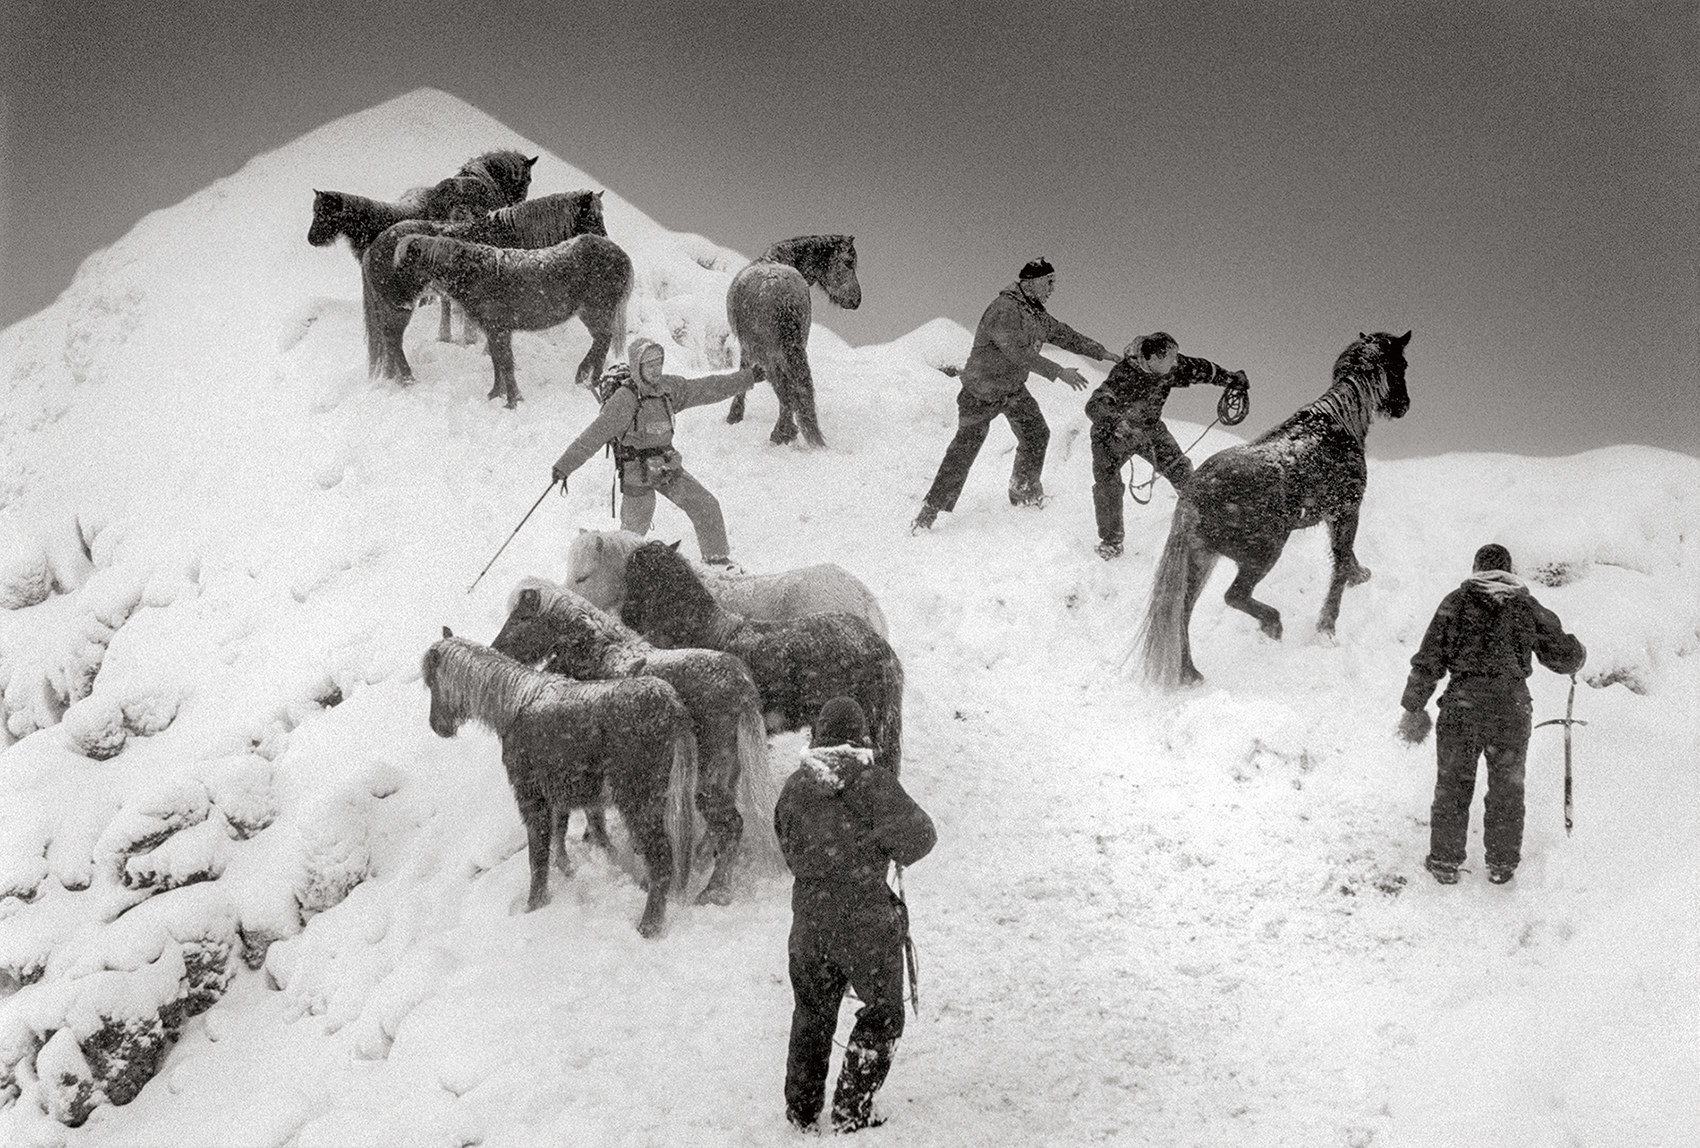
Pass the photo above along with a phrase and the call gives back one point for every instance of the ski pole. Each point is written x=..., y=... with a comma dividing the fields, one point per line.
x=510, y=538
x=1566, y=721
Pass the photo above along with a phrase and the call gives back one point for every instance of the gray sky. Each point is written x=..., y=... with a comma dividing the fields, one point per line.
x=1514, y=181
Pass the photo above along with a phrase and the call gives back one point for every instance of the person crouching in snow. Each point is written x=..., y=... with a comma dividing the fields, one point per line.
x=1482, y=635
x=638, y=419
x=842, y=822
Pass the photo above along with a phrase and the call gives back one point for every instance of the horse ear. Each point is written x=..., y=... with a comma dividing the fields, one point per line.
x=448, y=633
x=599, y=194
x=530, y=161
x=1362, y=338
x=1403, y=339
x=674, y=545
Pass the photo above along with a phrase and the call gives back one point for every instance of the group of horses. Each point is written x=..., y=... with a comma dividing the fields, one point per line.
x=652, y=683
x=514, y=264
x=664, y=707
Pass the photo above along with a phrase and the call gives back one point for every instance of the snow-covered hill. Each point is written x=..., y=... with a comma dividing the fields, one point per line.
x=244, y=889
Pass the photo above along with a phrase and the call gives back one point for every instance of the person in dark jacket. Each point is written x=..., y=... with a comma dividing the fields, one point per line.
x=994, y=382
x=842, y=822
x=1482, y=636
x=1127, y=419
x=638, y=419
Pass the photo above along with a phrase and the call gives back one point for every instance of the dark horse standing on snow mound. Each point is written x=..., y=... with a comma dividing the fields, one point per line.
x=1243, y=502
x=389, y=293
x=565, y=744
x=768, y=308
x=505, y=290
x=484, y=183
x=799, y=664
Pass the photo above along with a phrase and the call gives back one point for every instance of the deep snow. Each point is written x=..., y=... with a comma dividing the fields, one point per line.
x=1197, y=918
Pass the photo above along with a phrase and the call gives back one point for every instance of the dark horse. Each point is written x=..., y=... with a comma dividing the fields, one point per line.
x=565, y=743
x=580, y=641
x=484, y=183
x=505, y=290
x=1243, y=502
x=768, y=308
x=799, y=664
x=389, y=293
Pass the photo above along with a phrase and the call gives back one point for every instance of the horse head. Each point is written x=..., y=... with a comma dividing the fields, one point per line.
x=525, y=636
x=327, y=218
x=1397, y=400
x=664, y=600
x=587, y=214
x=839, y=278
x=445, y=718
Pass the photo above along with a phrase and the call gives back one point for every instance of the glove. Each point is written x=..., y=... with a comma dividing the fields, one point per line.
x=1414, y=726
x=559, y=477
x=757, y=372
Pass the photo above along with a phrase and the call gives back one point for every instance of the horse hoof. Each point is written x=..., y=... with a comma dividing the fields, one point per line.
x=649, y=929
x=713, y=896
x=1358, y=576
x=1273, y=629
x=1191, y=677
x=781, y=436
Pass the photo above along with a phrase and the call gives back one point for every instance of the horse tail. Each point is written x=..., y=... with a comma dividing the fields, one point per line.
x=1162, y=636
x=679, y=816
x=757, y=791
x=617, y=335
x=885, y=718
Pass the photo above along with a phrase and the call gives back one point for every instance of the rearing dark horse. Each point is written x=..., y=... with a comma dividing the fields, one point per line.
x=1243, y=503
x=768, y=308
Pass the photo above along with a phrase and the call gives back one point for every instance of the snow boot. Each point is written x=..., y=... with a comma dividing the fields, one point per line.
x=724, y=563
x=1108, y=550
x=865, y=1068
x=1444, y=873
x=1027, y=494
x=924, y=520
x=1500, y=874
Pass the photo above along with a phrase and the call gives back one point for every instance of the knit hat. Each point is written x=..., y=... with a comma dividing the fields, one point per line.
x=1493, y=556
x=841, y=722
x=1037, y=269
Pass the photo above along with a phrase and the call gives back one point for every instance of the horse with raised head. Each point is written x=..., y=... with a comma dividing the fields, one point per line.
x=565, y=744
x=596, y=569
x=504, y=290
x=484, y=183
x=735, y=791
x=1243, y=503
x=799, y=664
x=768, y=308
x=389, y=294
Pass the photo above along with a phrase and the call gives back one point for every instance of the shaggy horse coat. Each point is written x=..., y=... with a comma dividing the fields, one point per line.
x=389, y=293
x=799, y=664
x=1243, y=502
x=596, y=569
x=565, y=744
x=768, y=308
x=735, y=790
x=507, y=289
x=484, y=183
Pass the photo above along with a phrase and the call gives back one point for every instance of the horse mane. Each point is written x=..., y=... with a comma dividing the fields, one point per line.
x=811, y=255
x=506, y=170
x=548, y=220
x=440, y=251
x=1359, y=387
x=481, y=684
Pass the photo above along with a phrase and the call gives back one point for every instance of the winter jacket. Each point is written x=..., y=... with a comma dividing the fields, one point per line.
x=1135, y=394
x=1483, y=635
x=617, y=420
x=1007, y=342
x=842, y=821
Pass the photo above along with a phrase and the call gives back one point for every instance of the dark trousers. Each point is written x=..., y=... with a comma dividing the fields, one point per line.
x=1110, y=452
x=1465, y=733
x=974, y=417
x=871, y=963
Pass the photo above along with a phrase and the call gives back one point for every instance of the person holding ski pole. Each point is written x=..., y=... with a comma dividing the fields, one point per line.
x=994, y=382
x=1127, y=419
x=842, y=822
x=1482, y=636
x=637, y=419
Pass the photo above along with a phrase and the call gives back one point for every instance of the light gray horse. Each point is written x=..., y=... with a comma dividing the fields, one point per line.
x=769, y=311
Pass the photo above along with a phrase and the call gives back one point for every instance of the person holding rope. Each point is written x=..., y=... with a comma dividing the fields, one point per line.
x=1127, y=419
x=637, y=419
x=842, y=822
x=1482, y=635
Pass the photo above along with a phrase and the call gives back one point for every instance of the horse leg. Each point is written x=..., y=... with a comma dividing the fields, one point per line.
x=445, y=332
x=735, y=412
x=642, y=815
x=535, y=814
x=558, y=818
x=1253, y=566
x=1199, y=564
x=596, y=828
x=716, y=798
x=784, y=382
x=800, y=384
x=1342, y=532
x=601, y=328
x=502, y=362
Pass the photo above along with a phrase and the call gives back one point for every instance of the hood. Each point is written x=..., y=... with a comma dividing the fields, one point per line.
x=1495, y=585
x=830, y=766
x=637, y=351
